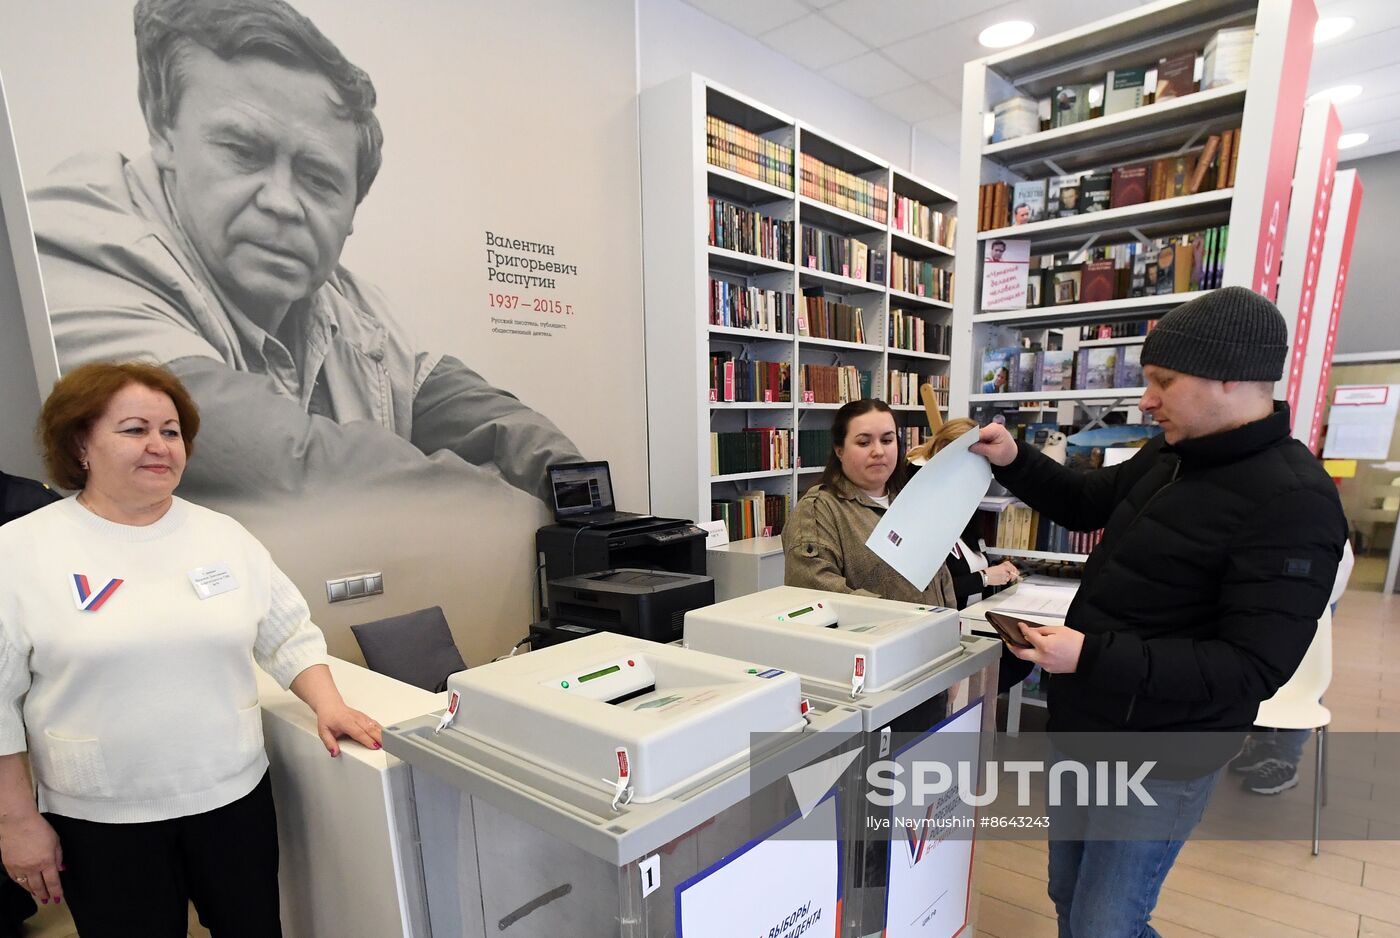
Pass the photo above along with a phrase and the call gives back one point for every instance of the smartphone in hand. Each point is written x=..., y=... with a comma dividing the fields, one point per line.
x=1009, y=628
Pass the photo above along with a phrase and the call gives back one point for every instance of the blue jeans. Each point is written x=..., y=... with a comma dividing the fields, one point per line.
x=1104, y=885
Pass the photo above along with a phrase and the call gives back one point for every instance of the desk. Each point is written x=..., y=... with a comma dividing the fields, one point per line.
x=349, y=863
x=973, y=621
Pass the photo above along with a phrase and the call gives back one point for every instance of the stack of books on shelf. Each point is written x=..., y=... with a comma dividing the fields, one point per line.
x=920, y=277
x=1018, y=370
x=733, y=379
x=911, y=437
x=904, y=387
x=813, y=448
x=821, y=318
x=760, y=449
x=917, y=220
x=744, y=152
x=738, y=228
x=915, y=333
x=1211, y=167
x=753, y=514
x=834, y=384
x=1018, y=527
x=1176, y=264
x=838, y=254
x=750, y=307
x=843, y=190
x=1226, y=61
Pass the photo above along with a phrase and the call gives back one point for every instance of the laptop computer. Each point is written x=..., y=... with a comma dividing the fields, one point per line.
x=583, y=495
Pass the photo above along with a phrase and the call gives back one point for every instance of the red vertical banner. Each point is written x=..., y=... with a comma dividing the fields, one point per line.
x=1283, y=148
x=1317, y=235
x=1338, y=293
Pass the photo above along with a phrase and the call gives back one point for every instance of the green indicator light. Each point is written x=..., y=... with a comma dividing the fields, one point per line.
x=564, y=684
x=753, y=670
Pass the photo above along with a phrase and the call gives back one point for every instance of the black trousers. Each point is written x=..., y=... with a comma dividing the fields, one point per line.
x=137, y=880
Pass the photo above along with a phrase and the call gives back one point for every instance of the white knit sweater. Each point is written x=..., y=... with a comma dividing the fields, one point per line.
x=144, y=707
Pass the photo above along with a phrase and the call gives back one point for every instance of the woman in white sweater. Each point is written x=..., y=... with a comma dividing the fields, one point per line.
x=129, y=623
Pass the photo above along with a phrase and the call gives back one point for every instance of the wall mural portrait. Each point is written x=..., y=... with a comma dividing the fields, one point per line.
x=233, y=224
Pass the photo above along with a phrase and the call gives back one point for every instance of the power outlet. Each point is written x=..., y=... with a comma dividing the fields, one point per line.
x=354, y=587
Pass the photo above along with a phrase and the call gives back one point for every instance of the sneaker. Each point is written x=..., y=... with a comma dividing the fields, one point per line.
x=1254, y=754
x=1272, y=777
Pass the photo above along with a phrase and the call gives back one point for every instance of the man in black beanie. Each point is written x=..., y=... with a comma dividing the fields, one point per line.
x=1221, y=542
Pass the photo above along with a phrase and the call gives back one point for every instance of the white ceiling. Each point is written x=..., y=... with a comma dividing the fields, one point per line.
x=905, y=56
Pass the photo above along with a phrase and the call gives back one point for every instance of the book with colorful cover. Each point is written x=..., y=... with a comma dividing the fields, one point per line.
x=1028, y=202
x=1056, y=371
x=998, y=367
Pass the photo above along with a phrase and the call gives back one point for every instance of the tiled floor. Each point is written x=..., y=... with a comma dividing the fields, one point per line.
x=1241, y=889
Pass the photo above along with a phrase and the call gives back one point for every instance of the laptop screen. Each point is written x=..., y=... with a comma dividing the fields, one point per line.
x=581, y=488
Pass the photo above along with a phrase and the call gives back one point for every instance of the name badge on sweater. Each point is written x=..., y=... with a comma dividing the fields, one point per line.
x=212, y=580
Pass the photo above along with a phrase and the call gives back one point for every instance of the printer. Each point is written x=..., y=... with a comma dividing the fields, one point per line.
x=654, y=543
x=646, y=604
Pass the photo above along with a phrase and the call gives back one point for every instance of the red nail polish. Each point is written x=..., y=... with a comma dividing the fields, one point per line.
x=334, y=753
x=57, y=900
x=45, y=901
x=377, y=746
x=62, y=868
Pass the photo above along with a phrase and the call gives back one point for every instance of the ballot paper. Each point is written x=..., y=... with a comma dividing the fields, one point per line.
x=930, y=512
x=1031, y=599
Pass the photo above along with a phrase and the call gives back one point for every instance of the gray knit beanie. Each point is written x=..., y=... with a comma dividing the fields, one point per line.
x=1230, y=334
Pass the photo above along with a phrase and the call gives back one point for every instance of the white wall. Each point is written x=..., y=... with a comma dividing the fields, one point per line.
x=675, y=39
x=1368, y=321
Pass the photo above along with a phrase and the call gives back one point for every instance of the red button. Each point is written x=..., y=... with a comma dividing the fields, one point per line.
x=631, y=664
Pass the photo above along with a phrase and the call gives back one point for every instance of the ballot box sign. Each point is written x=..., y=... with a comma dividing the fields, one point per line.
x=1361, y=421
x=785, y=884
x=930, y=848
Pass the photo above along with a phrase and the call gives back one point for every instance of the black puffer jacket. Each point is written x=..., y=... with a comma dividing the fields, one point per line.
x=1217, y=560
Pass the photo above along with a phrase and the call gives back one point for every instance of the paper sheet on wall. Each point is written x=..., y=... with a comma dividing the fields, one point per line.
x=921, y=525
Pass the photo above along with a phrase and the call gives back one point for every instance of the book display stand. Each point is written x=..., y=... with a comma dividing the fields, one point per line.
x=1127, y=167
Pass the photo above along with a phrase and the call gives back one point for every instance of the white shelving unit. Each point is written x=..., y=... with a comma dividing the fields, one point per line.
x=1270, y=96
x=677, y=180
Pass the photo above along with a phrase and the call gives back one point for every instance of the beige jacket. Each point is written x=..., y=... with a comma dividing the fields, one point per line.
x=824, y=548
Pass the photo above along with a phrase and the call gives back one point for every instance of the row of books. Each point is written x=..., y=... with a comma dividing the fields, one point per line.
x=842, y=255
x=813, y=448
x=742, y=151
x=750, y=307
x=844, y=190
x=834, y=384
x=904, y=387
x=753, y=514
x=822, y=318
x=915, y=333
x=748, y=380
x=1003, y=204
x=1115, y=330
x=917, y=220
x=920, y=277
x=760, y=449
x=737, y=228
x=1018, y=370
x=1011, y=279
x=1019, y=527
x=1225, y=60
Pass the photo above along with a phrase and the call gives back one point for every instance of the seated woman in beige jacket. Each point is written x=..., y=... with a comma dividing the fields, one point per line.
x=824, y=539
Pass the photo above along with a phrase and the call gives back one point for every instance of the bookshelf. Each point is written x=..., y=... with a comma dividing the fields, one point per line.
x=1254, y=101
x=878, y=210
x=1258, y=105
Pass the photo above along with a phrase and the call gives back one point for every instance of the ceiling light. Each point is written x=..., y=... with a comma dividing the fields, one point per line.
x=1002, y=35
x=1330, y=27
x=1347, y=141
x=1338, y=95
